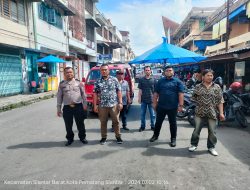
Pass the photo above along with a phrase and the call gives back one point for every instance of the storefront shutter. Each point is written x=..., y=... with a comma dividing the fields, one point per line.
x=10, y=75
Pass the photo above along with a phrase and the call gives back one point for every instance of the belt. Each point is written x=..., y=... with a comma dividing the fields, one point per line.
x=74, y=105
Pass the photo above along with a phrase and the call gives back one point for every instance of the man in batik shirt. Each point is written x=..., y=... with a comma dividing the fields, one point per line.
x=108, y=90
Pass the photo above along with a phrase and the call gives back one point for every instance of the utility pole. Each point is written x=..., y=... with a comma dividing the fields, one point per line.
x=227, y=26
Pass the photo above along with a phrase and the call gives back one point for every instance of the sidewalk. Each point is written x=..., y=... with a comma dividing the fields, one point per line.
x=11, y=102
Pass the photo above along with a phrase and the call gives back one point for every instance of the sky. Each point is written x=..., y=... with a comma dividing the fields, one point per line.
x=143, y=18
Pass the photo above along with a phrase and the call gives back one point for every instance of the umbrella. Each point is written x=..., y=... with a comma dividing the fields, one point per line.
x=51, y=59
x=168, y=53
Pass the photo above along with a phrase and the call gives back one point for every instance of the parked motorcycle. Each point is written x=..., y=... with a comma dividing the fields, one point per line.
x=234, y=108
x=186, y=105
x=246, y=103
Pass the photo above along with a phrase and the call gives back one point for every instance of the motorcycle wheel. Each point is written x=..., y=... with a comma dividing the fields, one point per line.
x=191, y=118
x=241, y=119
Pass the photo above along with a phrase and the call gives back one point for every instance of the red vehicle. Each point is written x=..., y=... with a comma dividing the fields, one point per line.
x=95, y=74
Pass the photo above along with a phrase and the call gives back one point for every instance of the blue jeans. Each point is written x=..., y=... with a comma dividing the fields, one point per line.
x=143, y=114
x=212, y=124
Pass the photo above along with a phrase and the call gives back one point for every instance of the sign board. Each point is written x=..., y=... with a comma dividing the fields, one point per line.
x=239, y=70
x=104, y=57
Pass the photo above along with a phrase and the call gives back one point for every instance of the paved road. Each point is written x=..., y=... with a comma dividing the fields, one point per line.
x=32, y=151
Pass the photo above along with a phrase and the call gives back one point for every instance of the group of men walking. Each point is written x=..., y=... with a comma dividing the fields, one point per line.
x=163, y=97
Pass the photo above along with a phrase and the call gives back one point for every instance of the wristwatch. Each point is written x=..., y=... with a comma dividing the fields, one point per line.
x=180, y=105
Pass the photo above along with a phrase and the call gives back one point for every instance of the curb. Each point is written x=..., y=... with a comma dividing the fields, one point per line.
x=25, y=102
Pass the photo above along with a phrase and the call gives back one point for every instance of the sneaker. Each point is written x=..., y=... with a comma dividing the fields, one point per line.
x=141, y=129
x=153, y=139
x=173, y=143
x=84, y=141
x=152, y=128
x=213, y=152
x=119, y=140
x=192, y=148
x=103, y=141
x=69, y=142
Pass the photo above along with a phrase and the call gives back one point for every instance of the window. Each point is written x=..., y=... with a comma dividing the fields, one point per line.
x=50, y=15
x=13, y=6
x=13, y=9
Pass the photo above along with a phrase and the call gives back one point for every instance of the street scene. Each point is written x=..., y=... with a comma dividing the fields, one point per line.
x=117, y=95
x=33, y=152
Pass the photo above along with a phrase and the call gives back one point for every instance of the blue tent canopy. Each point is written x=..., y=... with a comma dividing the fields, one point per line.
x=51, y=59
x=168, y=53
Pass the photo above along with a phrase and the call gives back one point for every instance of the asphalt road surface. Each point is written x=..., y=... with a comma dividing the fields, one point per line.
x=33, y=155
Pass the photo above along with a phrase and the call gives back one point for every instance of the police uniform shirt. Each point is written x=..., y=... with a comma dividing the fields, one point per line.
x=70, y=92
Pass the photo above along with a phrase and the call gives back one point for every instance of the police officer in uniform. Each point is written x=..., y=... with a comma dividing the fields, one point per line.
x=71, y=94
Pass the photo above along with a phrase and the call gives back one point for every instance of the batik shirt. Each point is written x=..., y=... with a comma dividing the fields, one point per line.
x=207, y=100
x=107, y=91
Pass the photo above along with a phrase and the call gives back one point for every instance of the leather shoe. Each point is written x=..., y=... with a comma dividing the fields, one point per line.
x=141, y=129
x=69, y=142
x=125, y=128
x=173, y=143
x=84, y=141
x=153, y=139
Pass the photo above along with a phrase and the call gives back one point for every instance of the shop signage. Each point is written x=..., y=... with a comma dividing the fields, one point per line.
x=239, y=69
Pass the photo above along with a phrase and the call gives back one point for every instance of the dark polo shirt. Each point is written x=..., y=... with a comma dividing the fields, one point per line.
x=147, y=88
x=168, y=90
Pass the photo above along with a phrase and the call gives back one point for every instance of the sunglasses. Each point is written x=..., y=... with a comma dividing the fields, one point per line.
x=119, y=73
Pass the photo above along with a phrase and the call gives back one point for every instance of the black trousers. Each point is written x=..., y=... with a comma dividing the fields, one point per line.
x=76, y=112
x=160, y=116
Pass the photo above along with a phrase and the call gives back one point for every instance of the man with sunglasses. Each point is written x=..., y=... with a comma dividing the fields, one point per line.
x=125, y=97
x=168, y=99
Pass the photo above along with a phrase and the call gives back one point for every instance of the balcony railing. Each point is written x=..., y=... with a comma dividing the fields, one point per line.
x=202, y=36
x=236, y=42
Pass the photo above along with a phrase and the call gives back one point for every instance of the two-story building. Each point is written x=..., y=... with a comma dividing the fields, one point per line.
x=16, y=35
x=190, y=35
x=108, y=40
x=231, y=61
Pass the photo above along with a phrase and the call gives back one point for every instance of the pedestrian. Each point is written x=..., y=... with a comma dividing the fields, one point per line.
x=209, y=99
x=125, y=97
x=72, y=95
x=108, y=90
x=145, y=98
x=168, y=99
x=197, y=76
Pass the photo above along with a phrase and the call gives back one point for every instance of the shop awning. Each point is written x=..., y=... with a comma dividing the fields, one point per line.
x=102, y=43
x=237, y=12
x=114, y=45
x=202, y=44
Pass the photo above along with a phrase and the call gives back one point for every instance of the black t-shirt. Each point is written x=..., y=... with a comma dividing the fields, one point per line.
x=147, y=88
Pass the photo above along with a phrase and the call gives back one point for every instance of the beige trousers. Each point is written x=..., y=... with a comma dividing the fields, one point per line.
x=104, y=113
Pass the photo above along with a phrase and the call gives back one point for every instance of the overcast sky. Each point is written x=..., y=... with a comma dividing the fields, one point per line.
x=143, y=18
